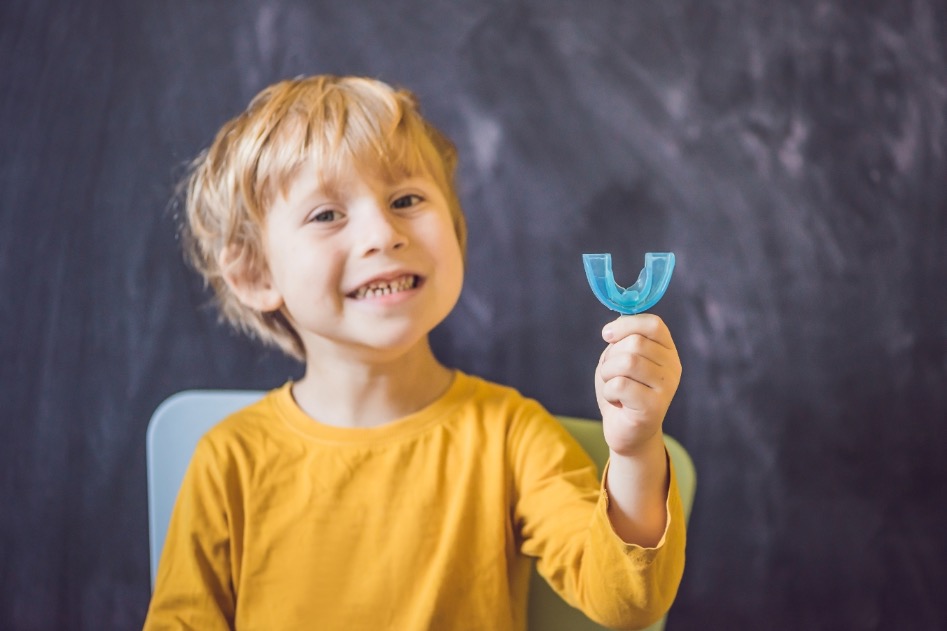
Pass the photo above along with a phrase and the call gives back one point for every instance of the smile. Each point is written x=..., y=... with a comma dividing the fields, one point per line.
x=385, y=287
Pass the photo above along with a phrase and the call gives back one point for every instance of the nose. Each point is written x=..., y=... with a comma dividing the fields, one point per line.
x=380, y=230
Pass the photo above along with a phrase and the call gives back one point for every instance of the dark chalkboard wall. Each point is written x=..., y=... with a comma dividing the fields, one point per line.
x=791, y=153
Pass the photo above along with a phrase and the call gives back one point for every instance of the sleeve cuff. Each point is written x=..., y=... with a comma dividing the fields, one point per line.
x=673, y=510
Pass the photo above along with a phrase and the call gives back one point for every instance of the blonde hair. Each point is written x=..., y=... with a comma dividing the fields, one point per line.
x=341, y=123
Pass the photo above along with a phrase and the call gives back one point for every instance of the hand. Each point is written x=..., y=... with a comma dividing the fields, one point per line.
x=637, y=376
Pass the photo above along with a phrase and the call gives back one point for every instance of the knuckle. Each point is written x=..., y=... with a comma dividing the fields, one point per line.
x=632, y=361
x=636, y=342
x=657, y=326
x=611, y=390
x=651, y=320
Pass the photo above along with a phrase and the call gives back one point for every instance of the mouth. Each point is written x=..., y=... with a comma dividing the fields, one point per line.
x=378, y=288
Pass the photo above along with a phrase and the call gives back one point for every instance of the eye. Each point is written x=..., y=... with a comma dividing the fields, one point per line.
x=325, y=216
x=406, y=201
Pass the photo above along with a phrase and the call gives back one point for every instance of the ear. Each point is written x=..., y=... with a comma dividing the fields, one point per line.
x=253, y=287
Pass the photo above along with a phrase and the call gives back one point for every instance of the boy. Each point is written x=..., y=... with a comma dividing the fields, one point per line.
x=384, y=490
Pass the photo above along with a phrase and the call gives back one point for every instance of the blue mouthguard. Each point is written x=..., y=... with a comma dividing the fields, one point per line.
x=644, y=294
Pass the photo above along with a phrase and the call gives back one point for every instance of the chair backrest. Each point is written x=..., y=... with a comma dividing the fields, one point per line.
x=548, y=612
x=180, y=421
x=175, y=427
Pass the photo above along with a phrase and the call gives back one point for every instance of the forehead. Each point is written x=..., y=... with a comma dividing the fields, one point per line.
x=297, y=155
x=339, y=180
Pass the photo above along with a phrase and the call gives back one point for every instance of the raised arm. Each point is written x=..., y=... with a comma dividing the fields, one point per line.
x=635, y=381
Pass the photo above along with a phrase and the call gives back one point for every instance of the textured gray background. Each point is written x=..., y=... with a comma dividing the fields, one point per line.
x=792, y=155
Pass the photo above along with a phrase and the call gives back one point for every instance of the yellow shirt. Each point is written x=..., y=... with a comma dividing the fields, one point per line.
x=428, y=522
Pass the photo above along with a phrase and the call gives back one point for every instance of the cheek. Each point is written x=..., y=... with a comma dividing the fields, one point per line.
x=303, y=266
x=444, y=233
x=453, y=264
x=440, y=241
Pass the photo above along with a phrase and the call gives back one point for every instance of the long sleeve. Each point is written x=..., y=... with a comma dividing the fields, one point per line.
x=193, y=588
x=616, y=584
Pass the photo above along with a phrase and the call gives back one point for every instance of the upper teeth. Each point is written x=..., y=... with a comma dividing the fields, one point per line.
x=383, y=288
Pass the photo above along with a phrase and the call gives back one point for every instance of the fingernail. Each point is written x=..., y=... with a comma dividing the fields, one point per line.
x=607, y=334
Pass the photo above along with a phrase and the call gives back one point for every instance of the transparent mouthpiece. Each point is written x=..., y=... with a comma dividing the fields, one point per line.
x=645, y=293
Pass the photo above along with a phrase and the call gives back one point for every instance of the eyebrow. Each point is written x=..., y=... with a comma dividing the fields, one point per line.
x=323, y=187
x=316, y=187
x=327, y=187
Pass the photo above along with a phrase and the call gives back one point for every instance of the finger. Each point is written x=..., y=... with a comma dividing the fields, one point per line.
x=635, y=367
x=645, y=324
x=626, y=393
x=636, y=344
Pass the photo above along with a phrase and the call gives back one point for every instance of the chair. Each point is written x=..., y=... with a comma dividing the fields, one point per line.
x=180, y=421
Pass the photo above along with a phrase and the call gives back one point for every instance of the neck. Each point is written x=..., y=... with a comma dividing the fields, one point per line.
x=350, y=392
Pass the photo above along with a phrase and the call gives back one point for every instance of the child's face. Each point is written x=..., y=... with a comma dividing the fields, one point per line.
x=362, y=265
